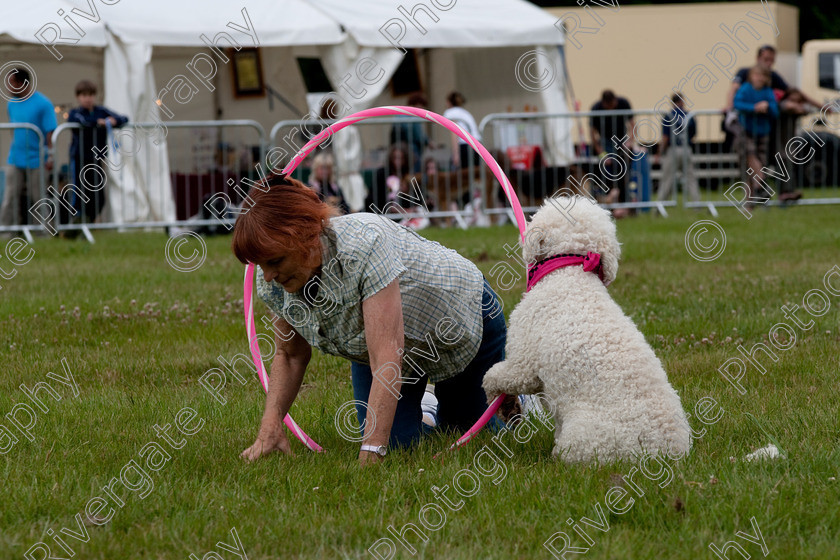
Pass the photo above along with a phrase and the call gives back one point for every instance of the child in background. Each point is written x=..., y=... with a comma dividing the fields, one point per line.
x=757, y=108
x=322, y=181
x=678, y=132
x=91, y=140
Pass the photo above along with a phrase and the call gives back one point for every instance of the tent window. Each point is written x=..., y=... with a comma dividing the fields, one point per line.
x=314, y=77
x=406, y=79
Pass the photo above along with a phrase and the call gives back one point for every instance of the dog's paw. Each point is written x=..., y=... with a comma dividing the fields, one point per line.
x=494, y=381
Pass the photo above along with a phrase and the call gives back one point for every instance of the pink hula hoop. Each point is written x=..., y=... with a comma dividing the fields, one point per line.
x=248, y=298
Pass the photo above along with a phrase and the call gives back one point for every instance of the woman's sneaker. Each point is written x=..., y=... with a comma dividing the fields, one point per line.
x=429, y=406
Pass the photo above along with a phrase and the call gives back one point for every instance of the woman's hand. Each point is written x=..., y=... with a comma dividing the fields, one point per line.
x=271, y=438
x=287, y=369
x=393, y=184
x=368, y=458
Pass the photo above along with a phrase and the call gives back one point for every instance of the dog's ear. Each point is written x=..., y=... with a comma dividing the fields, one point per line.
x=609, y=265
x=534, y=245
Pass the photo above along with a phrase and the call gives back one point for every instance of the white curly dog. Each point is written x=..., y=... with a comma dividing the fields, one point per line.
x=568, y=339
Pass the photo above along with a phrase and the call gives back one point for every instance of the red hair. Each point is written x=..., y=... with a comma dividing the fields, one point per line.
x=286, y=218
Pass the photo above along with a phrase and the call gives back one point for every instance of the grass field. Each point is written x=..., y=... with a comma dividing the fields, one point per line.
x=137, y=335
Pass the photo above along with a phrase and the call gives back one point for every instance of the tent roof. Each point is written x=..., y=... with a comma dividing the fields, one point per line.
x=170, y=23
x=467, y=23
x=22, y=20
x=275, y=22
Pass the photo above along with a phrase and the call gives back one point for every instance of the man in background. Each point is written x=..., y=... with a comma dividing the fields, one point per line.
x=606, y=134
x=797, y=103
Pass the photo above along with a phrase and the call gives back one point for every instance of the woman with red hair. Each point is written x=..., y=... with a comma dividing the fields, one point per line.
x=404, y=310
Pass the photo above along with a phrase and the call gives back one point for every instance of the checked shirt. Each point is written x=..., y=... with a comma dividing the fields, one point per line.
x=361, y=254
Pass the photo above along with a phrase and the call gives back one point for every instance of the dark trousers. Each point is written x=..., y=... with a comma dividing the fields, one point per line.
x=461, y=398
x=83, y=187
x=614, y=169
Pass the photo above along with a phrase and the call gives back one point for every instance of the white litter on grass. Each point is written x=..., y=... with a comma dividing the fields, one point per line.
x=531, y=406
x=769, y=452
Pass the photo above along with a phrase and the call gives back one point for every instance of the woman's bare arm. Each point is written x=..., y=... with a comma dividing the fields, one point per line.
x=384, y=332
x=287, y=369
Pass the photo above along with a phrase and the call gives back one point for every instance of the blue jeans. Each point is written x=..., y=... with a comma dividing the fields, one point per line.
x=461, y=399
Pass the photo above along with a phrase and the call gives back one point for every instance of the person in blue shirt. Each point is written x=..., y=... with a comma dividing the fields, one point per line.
x=678, y=132
x=89, y=144
x=26, y=155
x=757, y=109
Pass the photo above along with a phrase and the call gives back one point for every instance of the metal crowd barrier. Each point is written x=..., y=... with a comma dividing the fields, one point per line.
x=723, y=162
x=431, y=187
x=541, y=154
x=202, y=158
x=21, y=220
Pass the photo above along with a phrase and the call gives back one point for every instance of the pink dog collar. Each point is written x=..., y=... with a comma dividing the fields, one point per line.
x=591, y=263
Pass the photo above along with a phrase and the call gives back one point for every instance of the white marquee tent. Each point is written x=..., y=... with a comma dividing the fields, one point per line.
x=480, y=35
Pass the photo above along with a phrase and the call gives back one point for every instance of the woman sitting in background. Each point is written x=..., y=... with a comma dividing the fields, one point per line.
x=322, y=181
x=390, y=180
x=395, y=191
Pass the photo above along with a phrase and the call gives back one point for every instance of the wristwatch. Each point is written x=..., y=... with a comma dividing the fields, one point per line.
x=380, y=450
